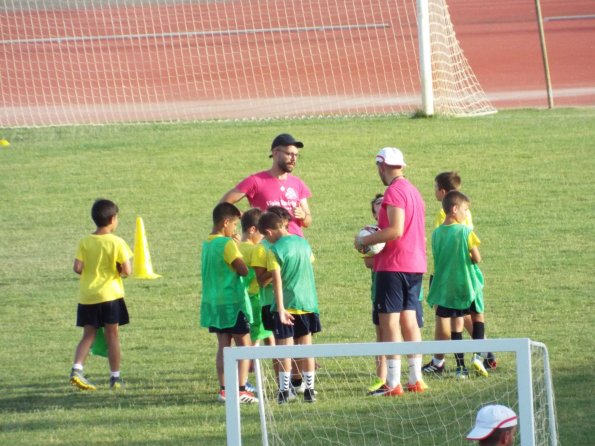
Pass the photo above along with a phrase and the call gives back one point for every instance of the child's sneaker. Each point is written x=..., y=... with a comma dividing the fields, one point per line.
x=430, y=367
x=395, y=391
x=221, y=396
x=285, y=396
x=418, y=387
x=309, y=396
x=462, y=373
x=247, y=397
x=477, y=364
x=377, y=384
x=490, y=361
x=77, y=379
x=116, y=383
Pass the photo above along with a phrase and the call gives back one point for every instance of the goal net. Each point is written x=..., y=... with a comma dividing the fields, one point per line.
x=344, y=414
x=103, y=61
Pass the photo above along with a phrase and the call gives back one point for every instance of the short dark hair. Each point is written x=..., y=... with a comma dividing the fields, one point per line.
x=448, y=181
x=223, y=211
x=454, y=198
x=250, y=218
x=103, y=211
x=269, y=220
x=281, y=212
x=374, y=201
x=494, y=438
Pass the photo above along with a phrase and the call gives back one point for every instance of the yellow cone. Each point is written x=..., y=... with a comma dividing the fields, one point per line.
x=4, y=143
x=142, y=269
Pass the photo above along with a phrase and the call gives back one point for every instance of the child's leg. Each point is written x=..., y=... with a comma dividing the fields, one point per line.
x=84, y=346
x=285, y=365
x=113, y=348
x=469, y=325
x=244, y=365
x=457, y=326
x=442, y=332
x=380, y=360
x=306, y=365
x=223, y=340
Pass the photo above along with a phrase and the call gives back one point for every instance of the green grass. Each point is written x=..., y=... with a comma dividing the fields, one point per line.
x=529, y=174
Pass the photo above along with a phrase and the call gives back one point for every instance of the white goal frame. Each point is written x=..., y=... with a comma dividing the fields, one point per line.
x=521, y=347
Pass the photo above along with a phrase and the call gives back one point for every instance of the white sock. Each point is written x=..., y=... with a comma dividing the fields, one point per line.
x=115, y=374
x=78, y=367
x=414, y=369
x=393, y=375
x=309, y=379
x=438, y=362
x=284, y=379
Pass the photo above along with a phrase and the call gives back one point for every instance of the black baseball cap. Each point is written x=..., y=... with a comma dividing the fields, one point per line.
x=285, y=139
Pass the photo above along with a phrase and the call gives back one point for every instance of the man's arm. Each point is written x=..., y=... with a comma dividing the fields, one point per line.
x=232, y=196
x=394, y=230
x=302, y=212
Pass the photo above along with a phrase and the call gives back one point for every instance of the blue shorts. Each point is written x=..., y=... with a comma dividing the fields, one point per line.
x=303, y=324
x=396, y=292
x=97, y=315
x=241, y=327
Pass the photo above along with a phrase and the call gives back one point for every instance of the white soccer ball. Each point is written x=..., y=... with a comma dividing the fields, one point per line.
x=370, y=250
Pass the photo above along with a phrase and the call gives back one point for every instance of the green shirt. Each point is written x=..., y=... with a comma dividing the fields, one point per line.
x=224, y=292
x=457, y=280
x=294, y=256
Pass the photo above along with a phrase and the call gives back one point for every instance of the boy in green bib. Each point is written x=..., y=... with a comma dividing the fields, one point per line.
x=457, y=286
x=225, y=306
x=295, y=310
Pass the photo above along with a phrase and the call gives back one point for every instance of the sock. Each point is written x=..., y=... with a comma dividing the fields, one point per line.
x=438, y=362
x=284, y=379
x=478, y=333
x=460, y=357
x=242, y=388
x=309, y=378
x=393, y=375
x=115, y=374
x=414, y=370
x=78, y=367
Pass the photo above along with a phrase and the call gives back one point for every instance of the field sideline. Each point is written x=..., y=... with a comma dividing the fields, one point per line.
x=529, y=174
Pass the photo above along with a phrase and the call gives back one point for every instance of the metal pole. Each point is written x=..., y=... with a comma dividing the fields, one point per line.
x=546, y=66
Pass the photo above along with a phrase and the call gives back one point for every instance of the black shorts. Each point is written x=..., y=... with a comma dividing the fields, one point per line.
x=241, y=327
x=450, y=312
x=396, y=292
x=267, y=318
x=97, y=315
x=303, y=324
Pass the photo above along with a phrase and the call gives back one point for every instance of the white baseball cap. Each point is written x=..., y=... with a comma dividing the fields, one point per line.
x=490, y=418
x=391, y=156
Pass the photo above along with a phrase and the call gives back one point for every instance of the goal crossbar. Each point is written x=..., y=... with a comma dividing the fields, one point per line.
x=521, y=347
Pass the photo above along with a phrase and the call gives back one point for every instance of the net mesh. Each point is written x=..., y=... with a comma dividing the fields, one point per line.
x=102, y=61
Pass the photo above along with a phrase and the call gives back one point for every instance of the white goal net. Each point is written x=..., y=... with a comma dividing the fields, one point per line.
x=344, y=414
x=102, y=61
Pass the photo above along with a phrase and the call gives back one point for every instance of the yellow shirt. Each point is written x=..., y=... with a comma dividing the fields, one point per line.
x=231, y=250
x=249, y=251
x=441, y=216
x=100, y=280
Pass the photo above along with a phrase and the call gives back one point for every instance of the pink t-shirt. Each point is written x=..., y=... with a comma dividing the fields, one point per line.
x=264, y=190
x=408, y=253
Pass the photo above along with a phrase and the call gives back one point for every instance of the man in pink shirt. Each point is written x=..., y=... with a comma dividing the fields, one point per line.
x=277, y=186
x=399, y=266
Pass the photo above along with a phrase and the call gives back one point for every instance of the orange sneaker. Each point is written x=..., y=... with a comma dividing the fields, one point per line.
x=418, y=387
x=395, y=391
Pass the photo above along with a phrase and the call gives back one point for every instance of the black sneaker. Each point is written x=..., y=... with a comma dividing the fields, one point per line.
x=116, y=383
x=309, y=396
x=490, y=361
x=283, y=396
x=430, y=367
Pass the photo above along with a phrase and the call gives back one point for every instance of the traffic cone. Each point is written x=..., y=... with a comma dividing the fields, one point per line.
x=142, y=269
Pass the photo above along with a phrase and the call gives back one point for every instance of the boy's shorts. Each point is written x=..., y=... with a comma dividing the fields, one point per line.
x=396, y=292
x=241, y=327
x=97, y=315
x=303, y=324
x=267, y=318
x=453, y=312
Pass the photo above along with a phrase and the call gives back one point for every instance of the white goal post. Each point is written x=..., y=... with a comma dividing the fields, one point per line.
x=523, y=362
x=68, y=62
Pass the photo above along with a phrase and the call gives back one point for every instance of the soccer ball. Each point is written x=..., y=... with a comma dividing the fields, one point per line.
x=370, y=250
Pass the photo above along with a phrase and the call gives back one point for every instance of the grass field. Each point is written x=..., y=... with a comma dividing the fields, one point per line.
x=529, y=174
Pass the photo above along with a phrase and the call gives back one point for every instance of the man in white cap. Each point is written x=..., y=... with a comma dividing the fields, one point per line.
x=399, y=267
x=277, y=186
x=495, y=425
